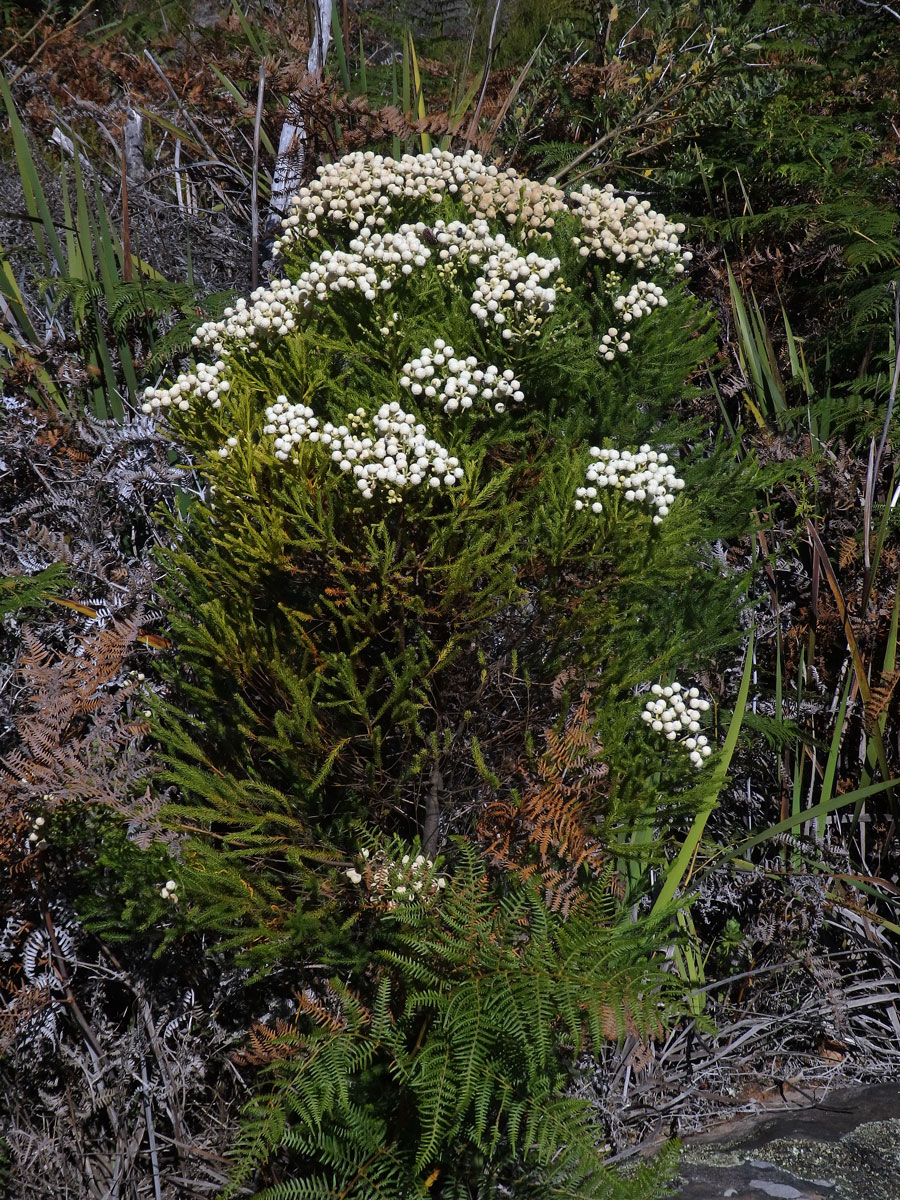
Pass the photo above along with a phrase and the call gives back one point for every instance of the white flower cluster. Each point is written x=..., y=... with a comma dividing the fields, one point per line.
x=371, y=263
x=271, y=311
x=469, y=244
x=397, y=881
x=517, y=200
x=646, y=477
x=642, y=298
x=35, y=838
x=511, y=291
x=169, y=891
x=207, y=382
x=625, y=229
x=675, y=710
x=612, y=341
x=437, y=374
x=362, y=189
x=388, y=449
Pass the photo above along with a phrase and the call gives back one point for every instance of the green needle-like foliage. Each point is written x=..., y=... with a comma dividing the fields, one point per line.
x=418, y=608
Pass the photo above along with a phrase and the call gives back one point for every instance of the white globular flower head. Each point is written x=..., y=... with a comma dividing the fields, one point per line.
x=392, y=881
x=370, y=265
x=514, y=291
x=363, y=190
x=169, y=891
x=35, y=839
x=625, y=229
x=674, y=712
x=643, y=297
x=456, y=384
x=388, y=452
x=207, y=382
x=644, y=477
x=270, y=312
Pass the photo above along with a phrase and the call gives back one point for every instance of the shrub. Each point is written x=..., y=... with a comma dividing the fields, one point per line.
x=447, y=538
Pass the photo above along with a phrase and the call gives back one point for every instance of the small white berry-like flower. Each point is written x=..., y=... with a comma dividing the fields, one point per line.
x=644, y=476
x=672, y=710
x=388, y=452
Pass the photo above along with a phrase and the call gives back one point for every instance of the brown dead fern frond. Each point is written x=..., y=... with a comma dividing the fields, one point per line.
x=23, y=1002
x=848, y=553
x=880, y=697
x=550, y=830
x=78, y=738
x=267, y=1045
x=324, y=1012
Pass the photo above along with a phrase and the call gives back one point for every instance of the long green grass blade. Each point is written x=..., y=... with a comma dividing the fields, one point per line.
x=890, y=663
x=724, y=411
x=419, y=96
x=47, y=388
x=822, y=809
x=247, y=30
x=396, y=144
x=756, y=352
x=238, y=96
x=339, y=48
x=859, y=667
x=170, y=127
x=110, y=254
x=12, y=294
x=35, y=200
x=878, y=548
x=405, y=79
x=689, y=963
x=363, y=81
x=73, y=253
x=831, y=764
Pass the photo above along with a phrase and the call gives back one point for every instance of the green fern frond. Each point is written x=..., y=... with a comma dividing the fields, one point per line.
x=20, y=592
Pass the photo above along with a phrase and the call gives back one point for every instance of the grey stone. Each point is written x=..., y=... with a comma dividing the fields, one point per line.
x=844, y=1148
x=782, y=1191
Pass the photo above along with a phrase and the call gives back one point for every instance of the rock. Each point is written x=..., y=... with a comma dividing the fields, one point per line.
x=830, y=1151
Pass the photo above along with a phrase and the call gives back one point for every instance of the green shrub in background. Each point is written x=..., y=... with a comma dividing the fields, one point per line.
x=772, y=124
x=448, y=540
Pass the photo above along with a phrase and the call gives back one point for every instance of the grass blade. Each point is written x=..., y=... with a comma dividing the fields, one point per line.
x=35, y=200
x=419, y=96
x=15, y=301
x=396, y=144
x=254, y=181
x=510, y=96
x=823, y=809
x=363, y=82
x=247, y=31
x=405, y=81
x=115, y=265
x=339, y=48
x=859, y=666
x=238, y=96
x=834, y=749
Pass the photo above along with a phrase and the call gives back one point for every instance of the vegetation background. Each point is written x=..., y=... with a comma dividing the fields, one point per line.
x=139, y=144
